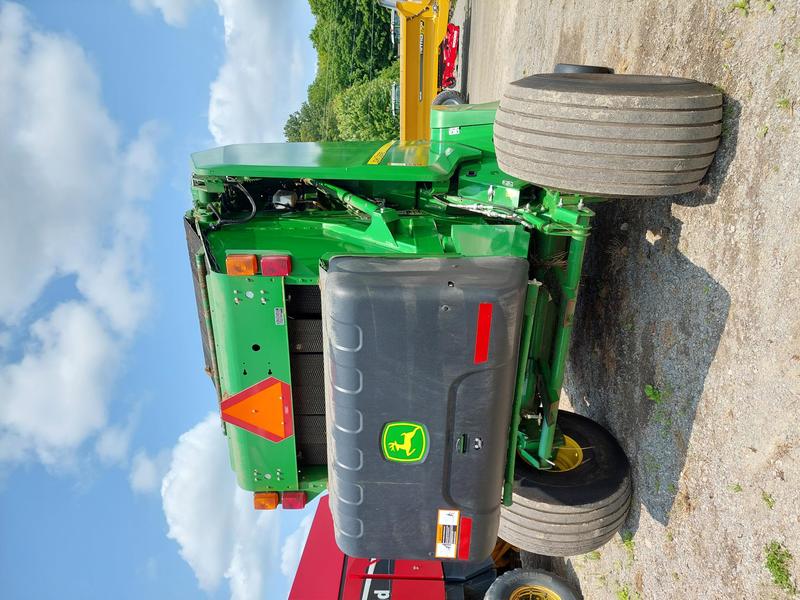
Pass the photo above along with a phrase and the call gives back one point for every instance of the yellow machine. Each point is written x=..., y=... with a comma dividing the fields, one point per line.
x=423, y=26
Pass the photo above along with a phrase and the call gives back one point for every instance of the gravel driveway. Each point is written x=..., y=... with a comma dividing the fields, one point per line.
x=696, y=295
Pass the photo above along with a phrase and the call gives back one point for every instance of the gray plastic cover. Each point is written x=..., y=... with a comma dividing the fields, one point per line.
x=420, y=363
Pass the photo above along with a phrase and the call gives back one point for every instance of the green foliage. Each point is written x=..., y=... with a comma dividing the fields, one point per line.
x=364, y=110
x=743, y=6
x=629, y=544
x=777, y=563
x=735, y=488
x=653, y=393
x=354, y=48
x=768, y=499
x=593, y=555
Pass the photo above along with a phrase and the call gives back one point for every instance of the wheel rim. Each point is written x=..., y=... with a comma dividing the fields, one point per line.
x=534, y=592
x=568, y=457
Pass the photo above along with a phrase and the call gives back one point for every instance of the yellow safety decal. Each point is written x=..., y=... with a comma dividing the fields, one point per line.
x=447, y=533
x=378, y=156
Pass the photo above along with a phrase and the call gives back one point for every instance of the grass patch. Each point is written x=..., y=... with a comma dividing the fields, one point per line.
x=784, y=103
x=593, y=555
x=741, y=6
x=653, y=393
x=762, y=131
x=735, y=488
x=768, y=499
x=777, y=563
x=623, y=593
x=628, y=544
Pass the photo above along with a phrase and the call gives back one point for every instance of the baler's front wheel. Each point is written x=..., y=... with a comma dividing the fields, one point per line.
x=601, y=134
x=577, y=506
x=530, y=584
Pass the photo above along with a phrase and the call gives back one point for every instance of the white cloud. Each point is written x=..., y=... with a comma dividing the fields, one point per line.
x=175, y=12
x=148, y=472
x=293, y=545
x=269, y=64
x=71, y=210
x=113, y=443
x=213, y=521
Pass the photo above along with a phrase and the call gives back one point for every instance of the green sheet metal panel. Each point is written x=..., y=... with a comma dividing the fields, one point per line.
x=376, y=160
x=251, y=343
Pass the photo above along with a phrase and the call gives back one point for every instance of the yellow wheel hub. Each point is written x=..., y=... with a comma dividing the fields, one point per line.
x=534, y=592
x=568, y=456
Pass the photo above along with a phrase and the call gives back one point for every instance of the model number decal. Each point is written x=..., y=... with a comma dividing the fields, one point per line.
x=447, y=533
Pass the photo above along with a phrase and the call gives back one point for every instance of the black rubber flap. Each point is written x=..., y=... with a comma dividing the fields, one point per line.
x=420, y=362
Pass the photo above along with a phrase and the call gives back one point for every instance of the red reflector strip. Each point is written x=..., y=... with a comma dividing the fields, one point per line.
x=464, y=537
x=483, y=331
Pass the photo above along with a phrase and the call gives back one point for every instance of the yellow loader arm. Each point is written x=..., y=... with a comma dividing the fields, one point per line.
x=423, y=26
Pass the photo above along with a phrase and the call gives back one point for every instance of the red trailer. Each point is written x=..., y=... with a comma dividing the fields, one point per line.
x=326, y=573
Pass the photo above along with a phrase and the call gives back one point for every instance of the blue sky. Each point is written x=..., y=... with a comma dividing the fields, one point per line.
x=114, y=476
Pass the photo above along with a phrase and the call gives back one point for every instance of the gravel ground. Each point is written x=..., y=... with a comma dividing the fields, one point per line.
x=696, y=295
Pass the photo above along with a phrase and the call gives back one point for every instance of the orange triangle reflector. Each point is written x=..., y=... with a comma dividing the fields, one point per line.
x=264, y=409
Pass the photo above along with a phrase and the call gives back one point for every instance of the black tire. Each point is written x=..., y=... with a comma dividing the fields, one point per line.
x=570, y=68
x=570, y=512
x=511, y=581
x=608, y=135
x=449, y=97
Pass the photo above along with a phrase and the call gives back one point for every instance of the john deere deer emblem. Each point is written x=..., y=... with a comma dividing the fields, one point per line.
x=404, y=442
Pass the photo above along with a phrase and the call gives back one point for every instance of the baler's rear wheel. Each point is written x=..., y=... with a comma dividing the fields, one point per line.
x=449, y=97
x=572, y=510
x=530, y=584
x=602, y=134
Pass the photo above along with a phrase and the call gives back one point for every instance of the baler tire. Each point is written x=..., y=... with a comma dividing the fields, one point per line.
x=573, y=68
x=602, y=134
x=570, y=512
x=541, y=581
x=449, y=97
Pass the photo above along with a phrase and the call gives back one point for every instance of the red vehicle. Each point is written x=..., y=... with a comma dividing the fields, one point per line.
x=326, y=573
x=448, y=56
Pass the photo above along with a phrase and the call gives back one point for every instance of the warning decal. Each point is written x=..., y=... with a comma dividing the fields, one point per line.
x=447, y=533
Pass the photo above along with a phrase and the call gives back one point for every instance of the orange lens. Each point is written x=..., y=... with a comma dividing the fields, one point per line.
x=265, y=500
x=241, y=264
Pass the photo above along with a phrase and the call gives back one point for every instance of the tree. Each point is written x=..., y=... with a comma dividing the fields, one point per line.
x=353, y=43
x=364, y=110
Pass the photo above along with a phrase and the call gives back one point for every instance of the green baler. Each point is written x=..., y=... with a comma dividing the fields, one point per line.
x=391, y=320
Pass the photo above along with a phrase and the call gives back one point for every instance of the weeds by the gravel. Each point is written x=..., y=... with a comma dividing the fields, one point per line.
x=777, y=562
x=743, y=6
x=623, y=593
x=593, y=555
x=629, y=544
x=653, y=393
x=784, y=103
x=779, y=47
x=762, y=131
x=768, y=499
x=735, y=488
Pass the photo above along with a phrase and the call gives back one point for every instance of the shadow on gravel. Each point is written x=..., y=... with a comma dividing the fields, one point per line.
x=648, y=324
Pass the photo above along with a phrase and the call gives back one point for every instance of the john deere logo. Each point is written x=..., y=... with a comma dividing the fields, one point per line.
x=404, y=442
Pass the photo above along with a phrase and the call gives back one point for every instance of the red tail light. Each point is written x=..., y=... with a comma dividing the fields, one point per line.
x=276, y=266
x=293, y=499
